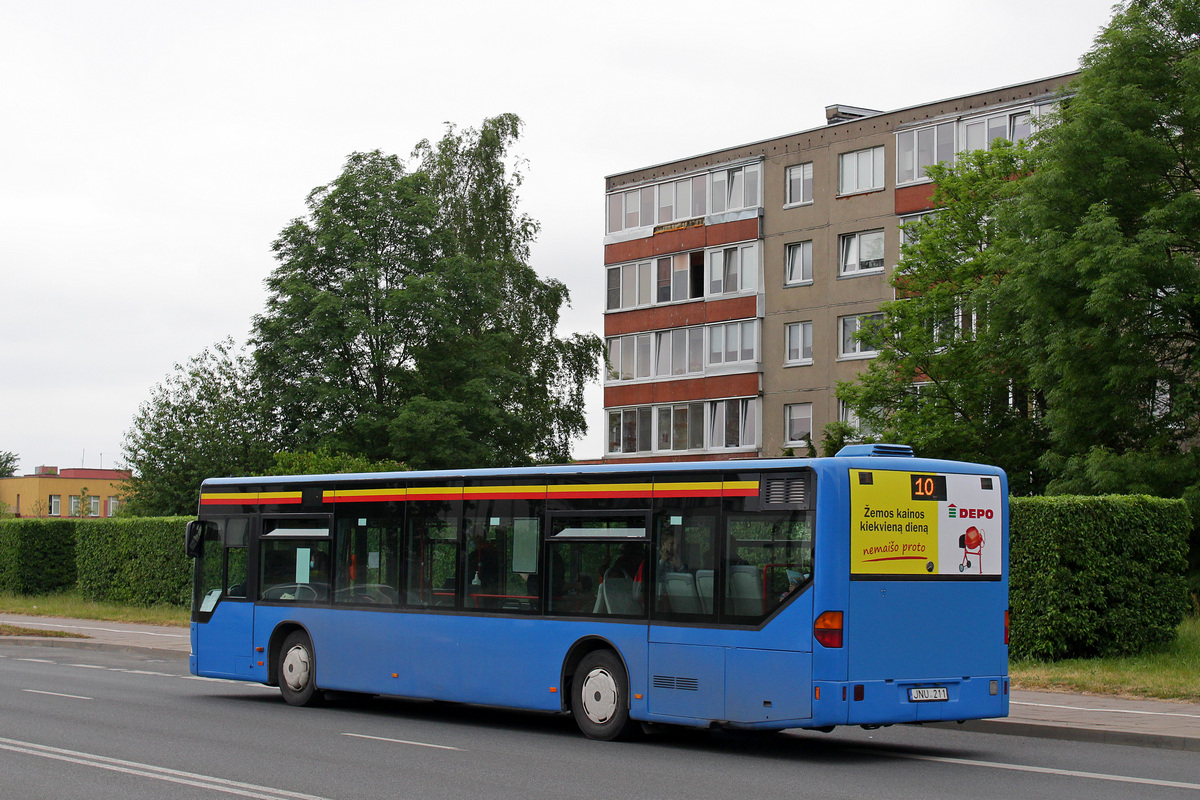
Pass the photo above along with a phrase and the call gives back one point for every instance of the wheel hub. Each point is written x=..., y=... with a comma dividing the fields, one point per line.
x=296, y=668
x=599, y=696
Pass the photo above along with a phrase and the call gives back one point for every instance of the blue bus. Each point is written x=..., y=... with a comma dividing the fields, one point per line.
x=870, y=588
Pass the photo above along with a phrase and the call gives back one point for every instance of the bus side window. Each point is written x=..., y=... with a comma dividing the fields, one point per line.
x=236, y=556
x=768, y=558
x=367, y=563
x=684, y=575
x=431, y=548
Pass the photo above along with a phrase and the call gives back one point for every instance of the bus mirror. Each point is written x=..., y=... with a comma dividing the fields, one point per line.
x=193, y=540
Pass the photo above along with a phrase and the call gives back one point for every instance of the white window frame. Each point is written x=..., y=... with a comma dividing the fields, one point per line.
x=851, y=165
x=720, y=333
x=747, y=423
x=746, y=268
x=847, y=327
x=803, y=175
x=693, y=352
x=693, y=415
x=730, y=188
x=802, y=250
x=852, y=243
x=910, y=166
x=73, y=503
x=797, y=411
x=798, y=334
x=114, y=504
x=624, y=351
x=54, y=508
x=990, y=123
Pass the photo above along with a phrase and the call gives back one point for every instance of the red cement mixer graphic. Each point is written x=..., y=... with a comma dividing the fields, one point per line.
x=971, y=543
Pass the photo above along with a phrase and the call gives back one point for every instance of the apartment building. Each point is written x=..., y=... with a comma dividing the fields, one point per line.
x=736, y=280
x=69, y=492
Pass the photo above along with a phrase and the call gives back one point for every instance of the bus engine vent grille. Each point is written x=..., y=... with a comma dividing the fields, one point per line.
x=673, y=682
x=786, y=490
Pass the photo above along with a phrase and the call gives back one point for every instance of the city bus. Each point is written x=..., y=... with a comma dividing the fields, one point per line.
x=869, y=588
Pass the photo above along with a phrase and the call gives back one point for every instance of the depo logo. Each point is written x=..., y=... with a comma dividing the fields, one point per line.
x=970, y=513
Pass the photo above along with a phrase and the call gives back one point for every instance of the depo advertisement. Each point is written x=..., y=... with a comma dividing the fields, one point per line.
x=922, y=524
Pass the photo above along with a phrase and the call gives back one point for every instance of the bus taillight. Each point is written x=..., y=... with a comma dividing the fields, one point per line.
x=828, y=629
x=1006, y=626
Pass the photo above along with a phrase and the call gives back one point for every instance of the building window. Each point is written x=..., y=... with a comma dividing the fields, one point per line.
x=860, y=252
x=799, y=184
x=799, y=263
x=733, y=342
x=733, y=269
x=978, y=134
x=629, y=357
x=860, y=171
x=54, y=508
x=631, y=209
x=114, y=504
x=735, y=188
x=680, y=351
x=917, y=150
x=797, y=420
x=94, y=506
x=683, y=426
x=73, y=505
x=799, y=343
x=848, y=415
x=683, y=199
x=680, y=277
x=664, y=280
x=851, y=347
x=680, y=427
x=733, y=423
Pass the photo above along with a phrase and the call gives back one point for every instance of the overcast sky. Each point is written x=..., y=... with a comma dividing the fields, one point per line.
x=150, y=152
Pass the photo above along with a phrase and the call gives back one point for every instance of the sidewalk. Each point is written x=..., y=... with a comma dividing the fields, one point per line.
x=1090, y=718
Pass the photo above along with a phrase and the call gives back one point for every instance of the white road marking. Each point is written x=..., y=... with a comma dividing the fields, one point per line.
x=36, y=660
x=404, y=741
x=59, y=694
x=110, y=630
x=1110, y=710
x=156, y=773
x=87, y=666
x=1066, y=773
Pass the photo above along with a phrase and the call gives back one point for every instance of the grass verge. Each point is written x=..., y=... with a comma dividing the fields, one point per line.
x=73, y=605
x=1168, y=674
x=17, y=630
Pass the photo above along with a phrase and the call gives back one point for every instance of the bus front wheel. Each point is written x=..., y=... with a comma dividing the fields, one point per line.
x=600, y=696
x=298, y=671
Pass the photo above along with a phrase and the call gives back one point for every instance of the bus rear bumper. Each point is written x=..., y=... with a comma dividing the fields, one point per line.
x=889, y=702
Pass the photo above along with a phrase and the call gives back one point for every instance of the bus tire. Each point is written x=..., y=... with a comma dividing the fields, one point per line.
x=600, y=696
x=298, y=671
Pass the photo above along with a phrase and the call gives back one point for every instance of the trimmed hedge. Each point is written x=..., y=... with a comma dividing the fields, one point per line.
x=37, y=555
x=1096, y=576
x=134, y=560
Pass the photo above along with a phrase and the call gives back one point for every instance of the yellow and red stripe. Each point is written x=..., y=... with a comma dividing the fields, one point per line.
x=570, y=491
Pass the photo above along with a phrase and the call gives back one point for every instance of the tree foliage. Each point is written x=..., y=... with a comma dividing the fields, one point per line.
x=209, y=418
x=1111, y=221
x=405, y=323
x=950, y=378
x=8, y=463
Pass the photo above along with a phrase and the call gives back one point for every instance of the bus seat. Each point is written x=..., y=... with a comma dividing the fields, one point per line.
x=704, y=588
x=616, y=596
x=681, y=591
x=745, y=589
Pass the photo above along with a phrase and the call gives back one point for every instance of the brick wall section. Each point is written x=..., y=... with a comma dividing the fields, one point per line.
x=681, y=241
x=912, y=199
x=680, y=315
x=641, y=394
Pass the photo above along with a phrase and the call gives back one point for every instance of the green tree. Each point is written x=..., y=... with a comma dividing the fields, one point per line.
x=950, y=378
x=209, y=418
x=405, y=323
x=324, y=461
x=8, y=463
x=1108, y=263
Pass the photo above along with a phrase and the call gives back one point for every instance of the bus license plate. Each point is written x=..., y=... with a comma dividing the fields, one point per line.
x=928, y=694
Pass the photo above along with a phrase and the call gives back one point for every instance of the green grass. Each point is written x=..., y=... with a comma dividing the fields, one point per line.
x=73, y=605
x=1172, y=673
x=17, y=630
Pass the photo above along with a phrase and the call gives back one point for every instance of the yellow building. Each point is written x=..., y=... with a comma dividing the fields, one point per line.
x=75, y=492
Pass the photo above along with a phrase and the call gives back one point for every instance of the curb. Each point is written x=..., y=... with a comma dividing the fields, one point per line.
x=87, y=644
x=1011, y=727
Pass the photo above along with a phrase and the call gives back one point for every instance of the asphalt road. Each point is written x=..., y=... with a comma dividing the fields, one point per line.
x=98, y=724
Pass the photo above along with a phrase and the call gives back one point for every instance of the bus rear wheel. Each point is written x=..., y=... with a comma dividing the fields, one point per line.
x=298, y=671
x=600, y=697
